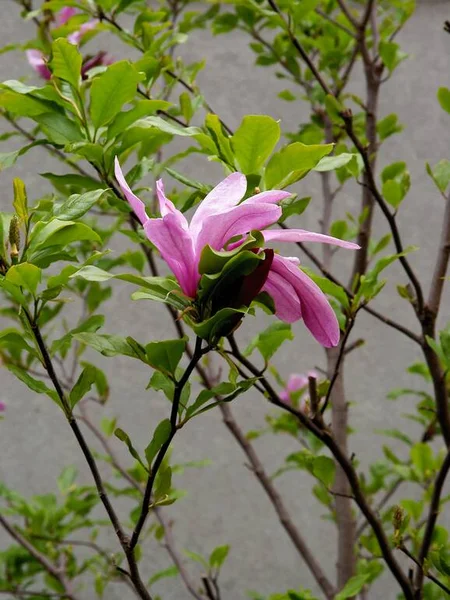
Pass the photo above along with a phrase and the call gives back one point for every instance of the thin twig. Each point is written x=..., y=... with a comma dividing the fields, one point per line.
x=427, y=574
x=41, y=558
x=326, y=437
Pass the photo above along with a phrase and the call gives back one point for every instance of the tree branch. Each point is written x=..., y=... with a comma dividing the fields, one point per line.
x=41, y=558
x=325, y=435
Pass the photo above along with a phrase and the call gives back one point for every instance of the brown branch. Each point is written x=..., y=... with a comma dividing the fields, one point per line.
x=179, y=386
x=427, y=574
x=347, y=13
x=122, y=537
x=433, y=514
x=54, y=571
x=441, y=266
x=327, y=438
x=169, y=542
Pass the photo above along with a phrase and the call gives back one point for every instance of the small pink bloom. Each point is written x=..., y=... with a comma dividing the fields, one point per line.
x=37, y=61
x=76, y=37
x=65, y=14
x=2, y=406
x=101, y=59
x=220, y=217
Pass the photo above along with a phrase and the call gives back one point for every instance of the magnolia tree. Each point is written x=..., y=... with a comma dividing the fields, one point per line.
x=111, y=123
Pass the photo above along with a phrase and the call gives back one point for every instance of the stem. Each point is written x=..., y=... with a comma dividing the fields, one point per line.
x=198, y=353
x=123, y=539
x=169, y=542
x=41, y=558
x=441, y=266
x=431, y=577
x=321, y=432
x=433, y=514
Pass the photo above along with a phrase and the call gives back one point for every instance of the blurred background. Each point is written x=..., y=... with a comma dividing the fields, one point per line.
x=229, y=506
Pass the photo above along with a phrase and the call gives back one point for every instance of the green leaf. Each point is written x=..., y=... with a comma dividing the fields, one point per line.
x=83, y=384
x=353, y=586
x=422, y=459
x=270, y=340
x=254, y=141
x=111, y=90
x=67, y=479
x=388, y=126
x=58, y=128
x=160, y=437
x=124, y=437
x=293, y=162
x=170, y=572
x=25, y=275
x=108, y=345
x=392, y=171
x=330, y=163
x=61, y=233
x=165, y=355
x=293, y=206
x=391, y=54
x=218, y=556
x=440, y=174
x=324, y=469
x=392, y=192
x=163, y=484
x=77, y=205
x=143, y=108
x=166, y=127
x=34, y=384
x=20, y=203
x=66, y=62
x=443, y=96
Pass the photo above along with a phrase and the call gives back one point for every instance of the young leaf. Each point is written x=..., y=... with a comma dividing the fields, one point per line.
x=111, y=90
x=444, y=98
x=77, y=205
x=218, y=556
x=269, y=340
x=124, y=437
x=164, y=356
x=66, y=62
x=25, y=275
x=34, y=384
x=160, y=437
x=254, y=141
x=353, y=586
x=20, y=203
x=292, y=163
x=83, y=385
x=324, y=469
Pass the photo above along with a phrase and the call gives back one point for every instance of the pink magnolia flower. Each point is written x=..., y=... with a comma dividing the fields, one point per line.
x=38, y=62
x=220, y=217
x=76, y=37
x=294, y=384
x=65, y=14
x=2, y=406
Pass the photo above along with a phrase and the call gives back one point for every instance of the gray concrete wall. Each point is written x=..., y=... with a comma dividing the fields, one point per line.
x=225, y=503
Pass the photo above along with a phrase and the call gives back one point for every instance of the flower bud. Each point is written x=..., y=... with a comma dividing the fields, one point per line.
x=14, y=238
x=398, y=516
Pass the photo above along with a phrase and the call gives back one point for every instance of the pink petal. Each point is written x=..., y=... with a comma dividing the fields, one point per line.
x=296, y=382
x=38, y=63
x=175, y=244
x=136, y=204
x=271, y=197
x=301, y=235
x=76, y=37
x=287, y=303
x=65, y=14
x=166, y=206
x=316, y=311
x=218, y=229
x=223, y=197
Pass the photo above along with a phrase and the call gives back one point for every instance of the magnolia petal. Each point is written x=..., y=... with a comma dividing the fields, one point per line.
x=270, y=197
x=296, y=382
x=217, y=230
x=287, y=303
x=301, y=235
x=166, y=206
x=38, y=63
x=220, y=199
x=65, y=14
x=136, y=204
x=316, y=311
x=175, y=244
x=76, y=37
